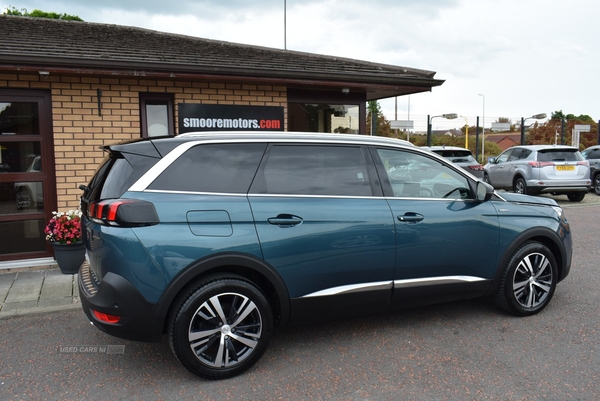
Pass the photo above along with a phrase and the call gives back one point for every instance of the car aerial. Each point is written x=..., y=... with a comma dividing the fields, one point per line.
x=592, y=155
x=540, y=169
x=217, y=239
x=460, y=156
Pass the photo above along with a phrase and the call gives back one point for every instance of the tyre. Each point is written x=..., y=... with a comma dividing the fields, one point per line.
x=576, y=196
x=221, y=327
x=486, y=179
x=528, y=281
x=520, y=186
x=596, y=183
x=24, y=199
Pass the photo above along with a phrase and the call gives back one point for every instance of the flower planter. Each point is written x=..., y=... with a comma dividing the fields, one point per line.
x=69, y=257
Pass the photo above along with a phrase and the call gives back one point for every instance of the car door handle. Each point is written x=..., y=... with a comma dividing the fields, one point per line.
x=285, y=220
x=411, y=217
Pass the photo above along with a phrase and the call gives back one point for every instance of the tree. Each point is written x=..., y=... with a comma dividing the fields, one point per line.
x=382, y=124
x=11, y=10
x=550, y=131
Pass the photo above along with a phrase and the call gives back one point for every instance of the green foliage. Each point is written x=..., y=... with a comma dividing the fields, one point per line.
x=11, y=10
x=383, y=125
x=559, y=115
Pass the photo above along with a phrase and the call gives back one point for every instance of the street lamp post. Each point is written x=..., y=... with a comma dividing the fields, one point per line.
x=466, y=132
x=449, y=116
x=483, y=130
x=536, y=117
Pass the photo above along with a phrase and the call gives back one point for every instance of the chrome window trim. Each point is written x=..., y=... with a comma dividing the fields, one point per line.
x=143, y=182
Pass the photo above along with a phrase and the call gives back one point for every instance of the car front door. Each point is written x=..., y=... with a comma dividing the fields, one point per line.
x=446, y=242
x=324, y=225
x=500, y=172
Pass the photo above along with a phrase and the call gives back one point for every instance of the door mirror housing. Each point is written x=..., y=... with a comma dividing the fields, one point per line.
x=484, y=191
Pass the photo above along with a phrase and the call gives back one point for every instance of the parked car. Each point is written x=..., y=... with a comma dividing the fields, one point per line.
x=592, y=155
x=217, y=239
x=460, y=156
x=540, y=169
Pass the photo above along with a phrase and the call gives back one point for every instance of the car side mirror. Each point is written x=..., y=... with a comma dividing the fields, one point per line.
x=484, y=191
x=492, y=160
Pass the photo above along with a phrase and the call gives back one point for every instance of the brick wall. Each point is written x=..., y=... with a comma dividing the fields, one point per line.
x=79, y=131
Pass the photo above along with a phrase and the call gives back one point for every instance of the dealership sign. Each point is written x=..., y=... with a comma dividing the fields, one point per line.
x=216, y=117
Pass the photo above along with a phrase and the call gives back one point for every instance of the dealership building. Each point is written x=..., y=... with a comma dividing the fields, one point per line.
x=67, y=88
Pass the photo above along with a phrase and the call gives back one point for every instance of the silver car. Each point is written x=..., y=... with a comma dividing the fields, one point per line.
x=540, y=169
x=461, y=157
x=592, y=155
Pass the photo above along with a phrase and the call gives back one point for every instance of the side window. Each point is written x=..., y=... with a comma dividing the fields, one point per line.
x=504, y=156
x=416, y=175
x=517, y=154
x=314, y=170
x=222, y=168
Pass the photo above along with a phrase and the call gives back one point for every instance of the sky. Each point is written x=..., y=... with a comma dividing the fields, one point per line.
x=508, y=58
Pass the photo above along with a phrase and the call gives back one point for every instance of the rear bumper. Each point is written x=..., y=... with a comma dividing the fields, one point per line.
x=563, y=190
x=116, y=296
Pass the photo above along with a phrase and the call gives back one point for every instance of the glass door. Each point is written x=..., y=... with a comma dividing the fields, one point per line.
x=27, y=183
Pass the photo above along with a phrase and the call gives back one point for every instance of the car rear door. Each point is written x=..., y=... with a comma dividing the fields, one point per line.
x=324, y=225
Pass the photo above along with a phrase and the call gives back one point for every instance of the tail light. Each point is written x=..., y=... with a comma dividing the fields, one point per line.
x=106, y=318
x=476, y=167
x=123, y=213
x=541, y=164
x=583, y=163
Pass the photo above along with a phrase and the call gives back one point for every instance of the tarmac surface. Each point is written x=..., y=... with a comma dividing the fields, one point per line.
x=39, y=290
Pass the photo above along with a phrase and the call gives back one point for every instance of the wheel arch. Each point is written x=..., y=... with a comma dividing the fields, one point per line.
x=540, y=234
x=241, y=265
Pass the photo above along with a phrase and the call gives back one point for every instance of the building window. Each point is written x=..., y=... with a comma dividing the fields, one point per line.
x=323, y=117
x=156, y=113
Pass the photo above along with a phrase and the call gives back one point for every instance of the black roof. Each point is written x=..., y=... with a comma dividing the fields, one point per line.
x=73, y=46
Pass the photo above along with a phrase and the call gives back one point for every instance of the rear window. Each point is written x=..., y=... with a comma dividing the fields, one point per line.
x=116, y=174
x=456, y=156
x=559, y=155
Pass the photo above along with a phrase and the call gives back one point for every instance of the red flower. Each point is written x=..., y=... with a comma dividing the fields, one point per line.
x=64, y=228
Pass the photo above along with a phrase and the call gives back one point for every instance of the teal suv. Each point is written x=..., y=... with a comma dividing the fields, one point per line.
x=216, y=240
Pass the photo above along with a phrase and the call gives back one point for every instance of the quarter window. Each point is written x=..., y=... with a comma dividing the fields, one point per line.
x=222, y=168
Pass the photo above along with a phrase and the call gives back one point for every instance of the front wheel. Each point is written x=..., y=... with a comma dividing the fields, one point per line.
x=520, y=186
x=597, y=184
x=528, y=281
x=576, y=196
x=221, y=327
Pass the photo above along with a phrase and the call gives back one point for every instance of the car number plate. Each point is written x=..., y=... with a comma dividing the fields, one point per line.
x=565, y=168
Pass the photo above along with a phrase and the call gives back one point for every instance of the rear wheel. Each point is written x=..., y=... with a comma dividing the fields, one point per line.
x=221, y=327
x=520, y=186
x=576, y=196
x=597, y=184
x=528, y=281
